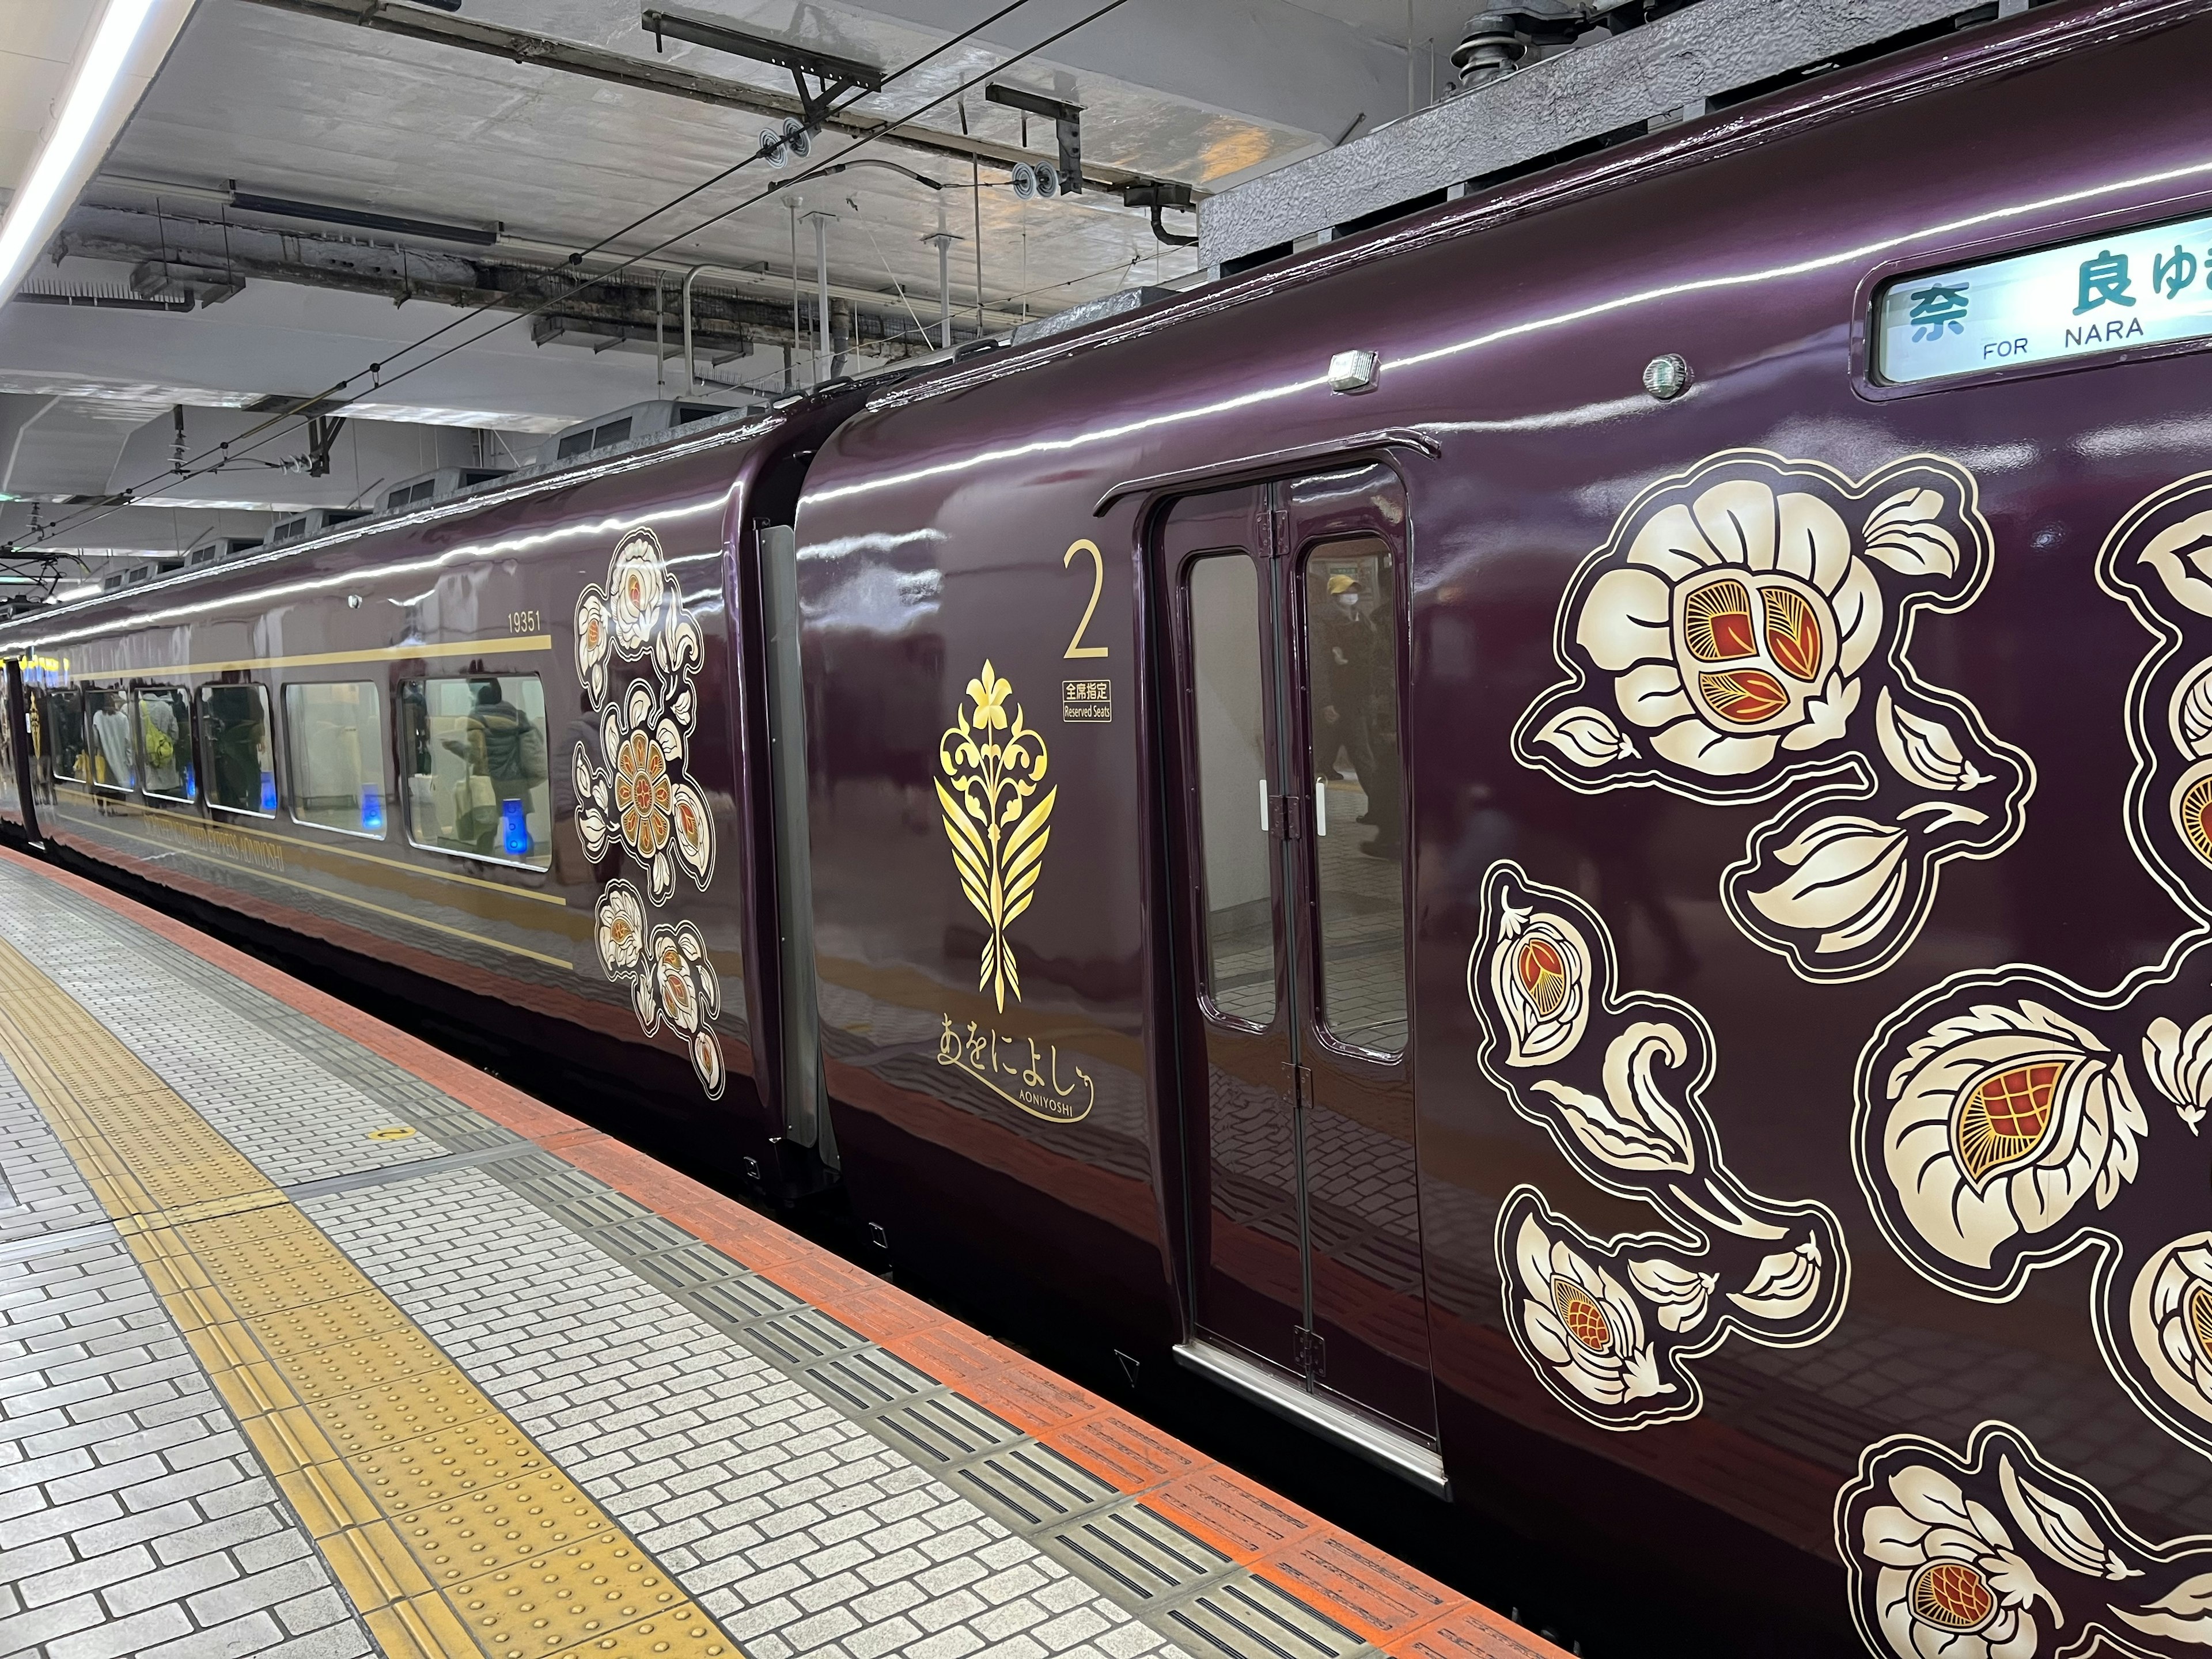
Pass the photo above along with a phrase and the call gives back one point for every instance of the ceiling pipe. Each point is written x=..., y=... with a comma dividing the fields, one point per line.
x=822, y=223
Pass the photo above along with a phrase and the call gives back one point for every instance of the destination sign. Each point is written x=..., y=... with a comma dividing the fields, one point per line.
x=2102, y=294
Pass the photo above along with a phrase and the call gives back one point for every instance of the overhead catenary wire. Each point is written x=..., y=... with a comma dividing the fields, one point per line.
x=375, y=370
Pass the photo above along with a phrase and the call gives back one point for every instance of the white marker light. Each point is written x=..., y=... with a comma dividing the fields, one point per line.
x=1353, y=371
x=90, y=118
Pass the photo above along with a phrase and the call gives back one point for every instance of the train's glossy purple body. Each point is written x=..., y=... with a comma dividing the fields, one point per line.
x=1785, y=1195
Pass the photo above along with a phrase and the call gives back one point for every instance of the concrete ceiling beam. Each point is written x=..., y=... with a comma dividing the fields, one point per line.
x=596, y=63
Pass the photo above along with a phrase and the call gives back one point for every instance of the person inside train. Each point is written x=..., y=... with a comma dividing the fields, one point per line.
x=165, y=766
x=504, y=749
x=1355, y=698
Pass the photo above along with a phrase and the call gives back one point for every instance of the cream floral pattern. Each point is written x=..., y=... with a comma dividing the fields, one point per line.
x=1745, y=622
x=2171, y=1320
x=1949, y=1584
x=1582, y=1321
x=1996, y=1555
x=2003, y=1119
x=635, y=796
x=1613, y=1325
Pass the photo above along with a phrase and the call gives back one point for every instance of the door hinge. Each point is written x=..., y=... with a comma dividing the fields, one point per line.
x=1310, y=1351
x=1285, y=810
x=1297, y=1082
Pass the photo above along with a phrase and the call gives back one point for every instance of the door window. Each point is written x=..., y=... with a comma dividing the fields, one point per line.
x=165, y=740
x=333, y=739
x=64, y=728
x=477, y=778
x=1229, y=713
x=241, y=755
x=1359, y=829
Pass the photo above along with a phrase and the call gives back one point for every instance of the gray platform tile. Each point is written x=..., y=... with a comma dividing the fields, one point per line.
x=42, y=1193
x=289, y=1115
x=127, y=1495
x=787, y=1504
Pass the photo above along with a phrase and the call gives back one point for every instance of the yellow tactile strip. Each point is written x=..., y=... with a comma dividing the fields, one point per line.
x=453, y=1533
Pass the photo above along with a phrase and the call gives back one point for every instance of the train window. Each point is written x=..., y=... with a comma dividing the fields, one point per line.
x=64, y=731
x=474, y=751
x=165, y=745
x=240, y=757
x=333, y=742
x=1229, y=709
x=1359, y=829
x=110, y=762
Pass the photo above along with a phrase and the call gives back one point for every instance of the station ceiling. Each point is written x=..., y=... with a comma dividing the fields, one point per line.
x=297, y=100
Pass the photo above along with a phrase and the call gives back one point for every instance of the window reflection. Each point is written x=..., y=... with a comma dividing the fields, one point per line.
x=1360, y=841
x=165, y=741
x=331, y=739
x=478, y=782
x=1228, y=709
x=107, y=759
x=241, y=755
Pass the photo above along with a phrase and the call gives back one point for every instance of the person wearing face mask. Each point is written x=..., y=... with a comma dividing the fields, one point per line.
x=1355, y=707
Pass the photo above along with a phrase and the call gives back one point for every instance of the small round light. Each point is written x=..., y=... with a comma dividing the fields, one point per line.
x=1666, y=377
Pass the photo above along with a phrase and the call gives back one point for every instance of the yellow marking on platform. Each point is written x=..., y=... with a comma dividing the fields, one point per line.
x=453, y=1533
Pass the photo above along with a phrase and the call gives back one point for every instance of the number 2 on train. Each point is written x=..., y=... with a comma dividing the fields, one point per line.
x=1075, y=644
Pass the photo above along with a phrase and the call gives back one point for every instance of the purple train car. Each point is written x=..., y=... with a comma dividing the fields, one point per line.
x=1569, y=841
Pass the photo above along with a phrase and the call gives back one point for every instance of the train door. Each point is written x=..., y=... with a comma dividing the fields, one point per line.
x=14, y=797
x=1286, y=609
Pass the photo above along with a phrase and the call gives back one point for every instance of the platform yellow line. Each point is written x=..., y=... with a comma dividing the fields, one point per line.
x=453, y=1533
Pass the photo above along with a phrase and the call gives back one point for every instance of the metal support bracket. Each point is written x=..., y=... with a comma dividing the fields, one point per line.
x=833, y=74
x=1068, y=127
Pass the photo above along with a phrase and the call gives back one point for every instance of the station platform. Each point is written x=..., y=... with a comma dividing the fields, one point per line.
x=315, y=1340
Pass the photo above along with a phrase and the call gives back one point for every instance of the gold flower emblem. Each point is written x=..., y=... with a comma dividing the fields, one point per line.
x=995, y=819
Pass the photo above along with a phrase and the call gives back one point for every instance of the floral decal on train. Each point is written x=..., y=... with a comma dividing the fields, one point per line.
x=2008, y=1119
x=1617, y=1080
x=1745, y=628
x=1998, y=1555
x=993, y=763
x=635, y=796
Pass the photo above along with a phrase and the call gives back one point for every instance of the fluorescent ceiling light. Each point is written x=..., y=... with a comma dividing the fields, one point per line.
x=212, y=504
x=434, y=415
x=125, y=46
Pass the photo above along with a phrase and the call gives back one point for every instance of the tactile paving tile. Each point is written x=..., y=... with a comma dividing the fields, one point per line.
x=457, y=1537
x=867, y=1380
x=1246, y=1617
x=741, y=1301
x=393, y=1410
x=805, y=1336
x=1031, y=1486
x=944, y=1429
x=447, y=1463
x=290, y=1332
x=498, y=1526
x=1148, y=1555
x=581, y=1593
x=690, y=1267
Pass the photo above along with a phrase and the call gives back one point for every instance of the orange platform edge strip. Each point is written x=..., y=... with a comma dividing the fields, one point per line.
x=1401, y=1611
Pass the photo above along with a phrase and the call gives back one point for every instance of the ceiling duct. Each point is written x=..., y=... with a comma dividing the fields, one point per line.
x=282, y=207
